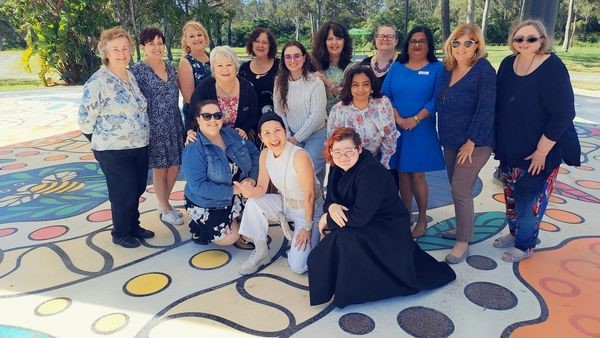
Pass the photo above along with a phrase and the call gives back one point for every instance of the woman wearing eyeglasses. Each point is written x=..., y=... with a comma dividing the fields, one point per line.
x=300, y=98
x=263, y=66
x=219, y=158
x=386, y=41
x=466, y=110
x=411, y=85
x=369, y=253
x=365, y=109
x=332, y=53
x=534, y=133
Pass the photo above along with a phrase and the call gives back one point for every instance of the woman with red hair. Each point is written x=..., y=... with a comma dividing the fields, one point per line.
x=369, y=253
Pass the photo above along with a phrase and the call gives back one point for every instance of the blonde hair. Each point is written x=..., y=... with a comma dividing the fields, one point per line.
x=466, y=29
x=225, y=52
x=195, y=25
x=109, y=35
x=545, y=47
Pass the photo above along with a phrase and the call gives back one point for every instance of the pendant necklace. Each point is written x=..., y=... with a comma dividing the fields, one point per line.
x=384, y=69
x=520, y=82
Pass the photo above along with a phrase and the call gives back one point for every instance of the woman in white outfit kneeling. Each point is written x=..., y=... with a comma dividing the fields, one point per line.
x=290, y=169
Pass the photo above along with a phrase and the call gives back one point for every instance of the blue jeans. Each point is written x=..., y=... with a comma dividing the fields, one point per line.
x=314, y=146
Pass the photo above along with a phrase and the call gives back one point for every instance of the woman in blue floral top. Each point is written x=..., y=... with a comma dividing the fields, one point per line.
x=113, y=117
x=158, y=82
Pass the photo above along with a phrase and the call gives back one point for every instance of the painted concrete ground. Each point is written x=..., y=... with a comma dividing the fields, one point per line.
x=61, y=276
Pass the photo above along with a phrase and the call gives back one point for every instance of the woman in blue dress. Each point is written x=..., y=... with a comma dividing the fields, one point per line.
x=158, y=83
x=411, y=85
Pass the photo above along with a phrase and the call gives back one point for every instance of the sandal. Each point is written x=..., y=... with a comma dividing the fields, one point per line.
x=515, y=255
x=418, y=231
x=505, y=241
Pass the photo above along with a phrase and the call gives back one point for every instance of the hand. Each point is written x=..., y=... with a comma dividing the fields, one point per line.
x=337, y=214
x=334, y=89
x=293, y=140
x=465, y=152
x=538, y=160
x=191, y=137
x=244, y=187
x=302, y=239
x=410, y=123
x=322, y=224
x=242, y=133
x=320, y=76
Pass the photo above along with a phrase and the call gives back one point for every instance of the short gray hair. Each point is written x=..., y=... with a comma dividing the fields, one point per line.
x=224, y=52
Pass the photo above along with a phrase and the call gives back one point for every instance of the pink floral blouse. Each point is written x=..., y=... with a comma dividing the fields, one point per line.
x=229, y=107
x=375, y=125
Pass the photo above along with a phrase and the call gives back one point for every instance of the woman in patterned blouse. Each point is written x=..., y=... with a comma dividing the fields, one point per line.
x=365, y=109
x=113, y=117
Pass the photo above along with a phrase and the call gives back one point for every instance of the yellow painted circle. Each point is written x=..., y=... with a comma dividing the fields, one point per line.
x=110, y=323
x=210, y=259
x=53, y=306
x=147, y=284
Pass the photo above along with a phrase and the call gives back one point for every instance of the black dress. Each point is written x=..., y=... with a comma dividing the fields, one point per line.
x=374, y=256
x=263, y=84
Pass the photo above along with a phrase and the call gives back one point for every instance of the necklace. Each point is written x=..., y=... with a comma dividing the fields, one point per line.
x=521, y=77
x=227, y=93
x=258, y=76
x=384, y=69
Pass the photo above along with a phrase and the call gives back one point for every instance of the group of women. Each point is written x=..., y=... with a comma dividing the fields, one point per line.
x=366, y=120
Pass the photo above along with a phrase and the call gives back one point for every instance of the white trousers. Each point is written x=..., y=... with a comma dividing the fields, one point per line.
x=255, y=224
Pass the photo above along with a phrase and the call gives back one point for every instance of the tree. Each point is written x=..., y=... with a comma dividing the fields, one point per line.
x=470, y=10
x=484, y=16
x=567, y=39
x=445, y=18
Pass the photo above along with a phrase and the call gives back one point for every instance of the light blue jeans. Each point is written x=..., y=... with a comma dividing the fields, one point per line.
x=314, y=146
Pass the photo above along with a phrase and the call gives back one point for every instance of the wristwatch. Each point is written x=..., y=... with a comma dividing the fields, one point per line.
x=416, y=117
x=308, y=225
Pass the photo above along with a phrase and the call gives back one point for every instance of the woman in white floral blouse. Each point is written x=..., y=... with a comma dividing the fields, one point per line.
x=365, y=109
x=113, y=117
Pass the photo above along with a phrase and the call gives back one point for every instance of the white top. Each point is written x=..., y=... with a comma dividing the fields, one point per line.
x=282, y=173
x=306, y=103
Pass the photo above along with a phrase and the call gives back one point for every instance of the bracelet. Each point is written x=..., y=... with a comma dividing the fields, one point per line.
x=332, y=85
x=417, y=119
x=308, y=225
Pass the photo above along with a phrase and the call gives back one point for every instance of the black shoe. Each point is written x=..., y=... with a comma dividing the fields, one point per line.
x=143, y=233
x=127, y=242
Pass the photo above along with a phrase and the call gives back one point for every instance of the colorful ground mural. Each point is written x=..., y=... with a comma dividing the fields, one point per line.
x=61, y=276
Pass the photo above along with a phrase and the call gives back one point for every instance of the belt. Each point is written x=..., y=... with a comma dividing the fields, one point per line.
x=294, y=204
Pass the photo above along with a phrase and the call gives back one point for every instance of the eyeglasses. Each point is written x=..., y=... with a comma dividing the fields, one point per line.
x=340, y=153
x=466, y=44
x=414, y=42
x=530, y=39
x=388, y=37
x=290, y=57
x=207, y=116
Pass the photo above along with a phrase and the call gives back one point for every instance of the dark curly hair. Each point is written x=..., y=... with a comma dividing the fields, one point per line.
x=430, y=44
x=283, y=74
x=255, y=34
x=346, y=93
x=149, y=33
x=319, y=45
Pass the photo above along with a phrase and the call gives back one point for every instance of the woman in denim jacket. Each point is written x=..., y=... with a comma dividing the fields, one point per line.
x=211, y=165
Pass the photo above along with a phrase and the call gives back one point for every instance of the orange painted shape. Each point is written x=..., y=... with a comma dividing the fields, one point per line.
x=562, y=170
x=100, y=216
x=567, y=278
x=55, y=157
x=556, y=200
x=87, y=157
x=547, y=226
x=499, y=198
x=585, y=168
x=564, y=216
x=589, y=184
x=13, y=166
x=177, y=196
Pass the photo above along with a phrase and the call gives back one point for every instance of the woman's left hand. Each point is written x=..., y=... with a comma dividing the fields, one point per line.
x=409, y=123
x=465, y=152
x=303, y=239
x=538, y=161
x=242, y=133
x=293, y=140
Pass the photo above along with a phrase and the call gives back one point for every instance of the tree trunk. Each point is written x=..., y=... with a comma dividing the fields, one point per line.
x=135, y=31
x=229, y=34
x=445, y=18
x=470, y=10
x=486, y=7
x=297, y=25
x=567, y=39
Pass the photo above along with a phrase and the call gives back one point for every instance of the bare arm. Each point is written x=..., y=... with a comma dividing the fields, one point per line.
x=185, y=77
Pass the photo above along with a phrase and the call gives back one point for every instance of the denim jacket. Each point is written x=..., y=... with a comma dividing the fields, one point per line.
x=207, y=171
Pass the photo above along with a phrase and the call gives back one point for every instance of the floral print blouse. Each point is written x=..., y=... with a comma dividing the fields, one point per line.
x=375, y=125
x=114, y=112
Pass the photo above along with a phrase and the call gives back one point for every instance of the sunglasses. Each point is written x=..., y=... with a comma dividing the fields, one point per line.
x=388, y=37
x=340, y=153
x=421, y=42
x=466, y=44
x=290, y=57
x=207, y=116
x=531, y=39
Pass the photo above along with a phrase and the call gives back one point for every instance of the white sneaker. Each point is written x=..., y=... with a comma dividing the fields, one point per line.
x=285, y=226
x=171, y=218
x=258, y=258
x=177, y=212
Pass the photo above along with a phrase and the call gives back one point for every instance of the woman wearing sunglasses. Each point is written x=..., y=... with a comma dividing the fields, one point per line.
x=219, y=158
x=386, y=40
x=411, y=85
x=465, y=106
x=534, y=133
x=369, y=253
x=300, y=98
x=365, y=109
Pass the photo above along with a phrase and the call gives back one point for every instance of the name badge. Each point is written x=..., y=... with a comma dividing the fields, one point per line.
x=423, y=72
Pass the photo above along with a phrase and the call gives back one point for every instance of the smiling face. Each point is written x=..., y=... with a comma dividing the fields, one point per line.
x=525, y=47
x=294, y=60
x=462, y=54
x=360, y=88
x=260, y=46
x=118, y=52
x=154, y=49
x=195, y=40
x=273, y=136
x=223, y=69
x=340, y=151
x=385, y=39
x=213, y=126
x=418, y=46
x=334, y=44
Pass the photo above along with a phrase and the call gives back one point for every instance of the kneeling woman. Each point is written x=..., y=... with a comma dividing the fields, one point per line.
x=211, y=165
x=290, y=169
x=370, y=253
